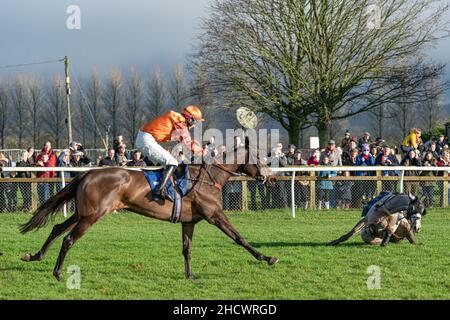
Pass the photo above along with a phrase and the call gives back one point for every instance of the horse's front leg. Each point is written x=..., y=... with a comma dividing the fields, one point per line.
x=220, y=220
x=188, y=231
x=411, y=236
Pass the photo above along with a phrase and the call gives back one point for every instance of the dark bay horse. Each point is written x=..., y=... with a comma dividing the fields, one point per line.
x=99, y=192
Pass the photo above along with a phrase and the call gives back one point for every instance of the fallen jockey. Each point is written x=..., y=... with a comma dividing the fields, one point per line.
x=402, y=227
x=384, y=217
x=171, y=126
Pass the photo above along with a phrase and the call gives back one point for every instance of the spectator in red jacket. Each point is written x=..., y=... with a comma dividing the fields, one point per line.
x=315, y=158
x=46, y=158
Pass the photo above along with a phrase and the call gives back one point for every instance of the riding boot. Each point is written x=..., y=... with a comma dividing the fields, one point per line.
x=167, y=173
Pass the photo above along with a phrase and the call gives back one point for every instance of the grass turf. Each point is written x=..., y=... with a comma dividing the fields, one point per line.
x=126, y=256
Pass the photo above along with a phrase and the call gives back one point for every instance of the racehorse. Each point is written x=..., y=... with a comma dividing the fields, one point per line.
x=99, y=192
x=405, y=222
x=382, y=218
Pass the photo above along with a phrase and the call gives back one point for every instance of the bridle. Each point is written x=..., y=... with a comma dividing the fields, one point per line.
x=213, y=181
x=413, y=220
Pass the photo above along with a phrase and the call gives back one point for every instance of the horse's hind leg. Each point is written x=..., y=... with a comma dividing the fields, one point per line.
x=188, y=231
x=77, y=232
x=57, y=231
x=220, y=220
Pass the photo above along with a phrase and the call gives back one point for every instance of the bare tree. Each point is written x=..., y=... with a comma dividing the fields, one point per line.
x=433, y=114
x=156, y=94
x=177, y=89
x=35, y=102
x=56, y=111
x=309, y=62
x=113, y=99
x=418, y=86
x=201, y=94
x=4, y=110
x=134, y=97
x=94, y=106
x=80, y=115
x=19, y=102
x=377, y=120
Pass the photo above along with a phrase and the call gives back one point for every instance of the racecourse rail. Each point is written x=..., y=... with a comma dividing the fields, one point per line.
x=379, y=178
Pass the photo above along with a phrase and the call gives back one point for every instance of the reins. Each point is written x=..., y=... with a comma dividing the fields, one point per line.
x=213, y=182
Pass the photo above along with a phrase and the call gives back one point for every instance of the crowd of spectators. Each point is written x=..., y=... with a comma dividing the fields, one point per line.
x=351, y=151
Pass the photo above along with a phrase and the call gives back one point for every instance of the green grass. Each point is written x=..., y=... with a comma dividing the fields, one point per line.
x=126, y=256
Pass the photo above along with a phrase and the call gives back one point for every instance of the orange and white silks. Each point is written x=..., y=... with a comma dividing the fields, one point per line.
x=163, y=127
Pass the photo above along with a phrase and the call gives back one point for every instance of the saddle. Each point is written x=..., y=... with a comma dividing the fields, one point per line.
x=177, y=187
x=375, y=201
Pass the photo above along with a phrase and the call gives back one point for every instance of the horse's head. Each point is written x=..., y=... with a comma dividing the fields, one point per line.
x=254, y=166
x=415, y=212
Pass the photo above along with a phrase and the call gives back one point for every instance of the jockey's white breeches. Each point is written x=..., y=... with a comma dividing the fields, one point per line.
x=151, y=149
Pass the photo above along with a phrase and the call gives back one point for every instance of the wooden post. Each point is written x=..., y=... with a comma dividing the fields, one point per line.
x=312, y=192
x=445, y=193
x=244, y=196
x=34, y=196
x=379, y=183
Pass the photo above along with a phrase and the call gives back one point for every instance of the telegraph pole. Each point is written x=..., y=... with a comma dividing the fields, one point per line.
x=68, y=92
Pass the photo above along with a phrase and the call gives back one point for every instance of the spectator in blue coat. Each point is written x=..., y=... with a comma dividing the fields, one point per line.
x=386, y=158
x=325, y=186
x=365, y=189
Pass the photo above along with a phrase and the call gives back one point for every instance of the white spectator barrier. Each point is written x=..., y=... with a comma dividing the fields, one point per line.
x=289, y=171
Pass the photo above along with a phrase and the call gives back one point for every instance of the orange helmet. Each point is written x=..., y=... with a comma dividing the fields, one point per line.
x=194, y=112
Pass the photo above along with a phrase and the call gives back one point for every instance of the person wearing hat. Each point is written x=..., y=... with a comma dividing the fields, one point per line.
x=333, y=153
x=440, y=144
x=335, y=159
x=171, y=126
x=366, y=189
x=291, y=152
x=365, y=139
x=301, y=188
x=347, y=152
x=346, y=140
x=387, y=158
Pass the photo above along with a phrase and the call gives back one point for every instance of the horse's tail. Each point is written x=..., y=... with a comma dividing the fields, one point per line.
x=357, y=228
x=50, y=207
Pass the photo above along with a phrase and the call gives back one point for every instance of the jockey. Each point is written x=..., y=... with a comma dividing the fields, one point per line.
x=172, y=126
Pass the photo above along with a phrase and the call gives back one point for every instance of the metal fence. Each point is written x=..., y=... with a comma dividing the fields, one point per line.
x=312, y=188
x=92, y=154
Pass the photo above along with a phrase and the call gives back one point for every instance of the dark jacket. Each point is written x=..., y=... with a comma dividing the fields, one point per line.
x=362, y=161
x=138, y=163
x=388, y=161
x=23, y=174
x=108, y=162
x=413, y=163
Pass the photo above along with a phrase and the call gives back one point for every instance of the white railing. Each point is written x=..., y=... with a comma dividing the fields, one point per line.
x=296, y=169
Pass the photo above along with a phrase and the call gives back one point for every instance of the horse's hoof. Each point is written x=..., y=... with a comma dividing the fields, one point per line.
x=272, y=261
x=26, y=257
x=57, y=275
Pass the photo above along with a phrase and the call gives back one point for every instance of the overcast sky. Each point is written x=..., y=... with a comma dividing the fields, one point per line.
x=125, y=33
x=141, y=33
